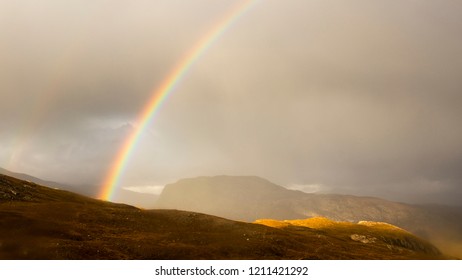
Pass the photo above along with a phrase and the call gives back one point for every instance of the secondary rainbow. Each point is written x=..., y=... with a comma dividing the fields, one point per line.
x=161, y=93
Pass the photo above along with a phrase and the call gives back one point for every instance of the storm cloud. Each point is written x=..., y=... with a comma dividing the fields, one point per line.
x=358, y=97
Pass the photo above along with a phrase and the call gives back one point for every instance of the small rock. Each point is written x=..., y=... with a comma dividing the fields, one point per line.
x=362, y=238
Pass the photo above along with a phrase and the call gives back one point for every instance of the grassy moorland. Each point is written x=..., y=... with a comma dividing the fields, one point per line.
x=37, y=222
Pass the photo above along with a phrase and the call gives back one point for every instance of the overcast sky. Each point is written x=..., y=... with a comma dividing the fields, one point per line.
x=358, y=97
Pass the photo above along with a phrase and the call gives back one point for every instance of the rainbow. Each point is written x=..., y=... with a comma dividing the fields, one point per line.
x=161, y=93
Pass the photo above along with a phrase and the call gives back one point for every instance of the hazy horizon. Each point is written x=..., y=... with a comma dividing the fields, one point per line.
x=358, y=97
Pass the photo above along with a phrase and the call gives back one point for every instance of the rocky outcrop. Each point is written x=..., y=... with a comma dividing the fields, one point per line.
x=363, y=238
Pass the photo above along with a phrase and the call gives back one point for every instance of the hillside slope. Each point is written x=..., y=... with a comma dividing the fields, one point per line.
x=37, y=222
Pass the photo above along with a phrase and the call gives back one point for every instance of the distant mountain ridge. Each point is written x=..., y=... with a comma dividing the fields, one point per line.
x=240, y=198
x=30, y=178
x=86, y=190
x=249, y=198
